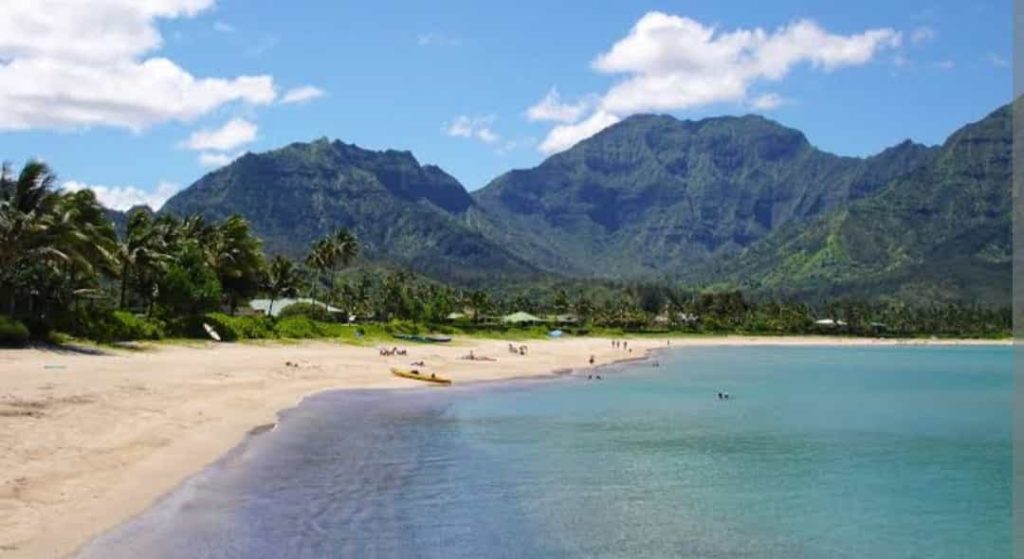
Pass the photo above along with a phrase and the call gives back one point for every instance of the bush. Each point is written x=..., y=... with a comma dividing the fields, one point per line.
x=298, y=327
x=308, y=310
x=402, y=327
x=12, y=332
x=127, y=326
x=111, y=326
x=232, y=328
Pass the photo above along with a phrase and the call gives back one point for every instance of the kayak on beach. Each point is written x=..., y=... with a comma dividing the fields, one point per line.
x=416, y=375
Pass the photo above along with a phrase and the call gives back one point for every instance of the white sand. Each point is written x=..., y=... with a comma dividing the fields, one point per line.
x=88, y=441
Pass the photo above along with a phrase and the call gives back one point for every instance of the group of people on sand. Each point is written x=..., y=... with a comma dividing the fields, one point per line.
x=517, y=350
x=622, y=344
x=385, y=352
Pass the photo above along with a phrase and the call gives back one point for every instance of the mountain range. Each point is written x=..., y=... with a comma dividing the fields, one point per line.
x=719, y=202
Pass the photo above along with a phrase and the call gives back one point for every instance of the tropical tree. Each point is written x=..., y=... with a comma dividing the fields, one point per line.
x=321, y=258
x=346, y=249
x=53, y=244
x=26, y=211
x=283, y=280
x=142, y=254
x=238, y=260
x=189, y=286
x=480, y=302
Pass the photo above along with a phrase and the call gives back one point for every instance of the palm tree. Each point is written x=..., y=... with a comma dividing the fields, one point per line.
x=346, y=249
x=142, y=254
x=479, y=301
x=238, y=260
x=84, y=241
x=26, y=206
x=283, y=280
x=62, y=235
x=322, y=256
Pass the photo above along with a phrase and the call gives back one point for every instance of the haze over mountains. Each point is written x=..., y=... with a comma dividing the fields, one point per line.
x=727, y=201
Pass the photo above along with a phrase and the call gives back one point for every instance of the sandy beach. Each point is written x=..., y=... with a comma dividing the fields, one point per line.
x=90, y=439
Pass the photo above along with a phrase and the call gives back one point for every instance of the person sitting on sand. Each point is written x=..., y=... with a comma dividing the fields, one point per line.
x=591, y=359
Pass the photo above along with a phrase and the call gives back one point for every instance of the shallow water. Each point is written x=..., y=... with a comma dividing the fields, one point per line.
x=822, y=452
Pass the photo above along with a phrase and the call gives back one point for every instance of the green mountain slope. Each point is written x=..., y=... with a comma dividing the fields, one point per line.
x=940, y=233
x=729, y=201
x=655, y=197
x=403, y=212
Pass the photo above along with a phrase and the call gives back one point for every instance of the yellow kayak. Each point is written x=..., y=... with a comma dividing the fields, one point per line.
x=416, y=375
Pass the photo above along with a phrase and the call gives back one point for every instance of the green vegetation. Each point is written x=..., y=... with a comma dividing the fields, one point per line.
x=654, y=196
x=941, y=234
x=12, y=332
x=724, y=225
x=405, y=214
x=729, y=202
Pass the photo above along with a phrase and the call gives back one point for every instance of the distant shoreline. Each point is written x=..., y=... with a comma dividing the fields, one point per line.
x=92, y=440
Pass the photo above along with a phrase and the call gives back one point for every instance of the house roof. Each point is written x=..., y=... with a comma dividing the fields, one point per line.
x=263, y=305
x=520, y=317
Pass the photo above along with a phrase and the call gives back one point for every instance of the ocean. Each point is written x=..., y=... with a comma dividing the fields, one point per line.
x=820, y=452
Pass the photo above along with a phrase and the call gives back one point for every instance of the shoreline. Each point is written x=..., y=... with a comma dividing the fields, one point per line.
x=92, y=440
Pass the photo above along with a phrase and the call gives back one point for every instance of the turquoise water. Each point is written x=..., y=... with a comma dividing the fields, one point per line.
x=822, y=452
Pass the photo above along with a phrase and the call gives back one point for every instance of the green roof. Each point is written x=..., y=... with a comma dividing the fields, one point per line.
x=520, y=317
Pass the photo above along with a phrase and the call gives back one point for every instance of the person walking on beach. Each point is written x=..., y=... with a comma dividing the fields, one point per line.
x=591, y=359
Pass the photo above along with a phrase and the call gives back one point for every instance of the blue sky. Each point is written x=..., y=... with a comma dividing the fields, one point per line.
x=113, y=95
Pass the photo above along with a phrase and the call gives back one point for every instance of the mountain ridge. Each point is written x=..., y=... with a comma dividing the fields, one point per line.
x=720, y=201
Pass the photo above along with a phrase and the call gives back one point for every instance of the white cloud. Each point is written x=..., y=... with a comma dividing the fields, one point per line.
x=551, y=108
x=921, y=35
x=73, y=64
x=478, y=127
x=438, y=40
x=236, y=132
x=215, y=160
x=565, y=136
x=302, y=94
x=125, y=197
x=676, y=63
x=945, y=65
x=767, y=101
x=672, y=63
x=997, y=61
x=223, y=27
